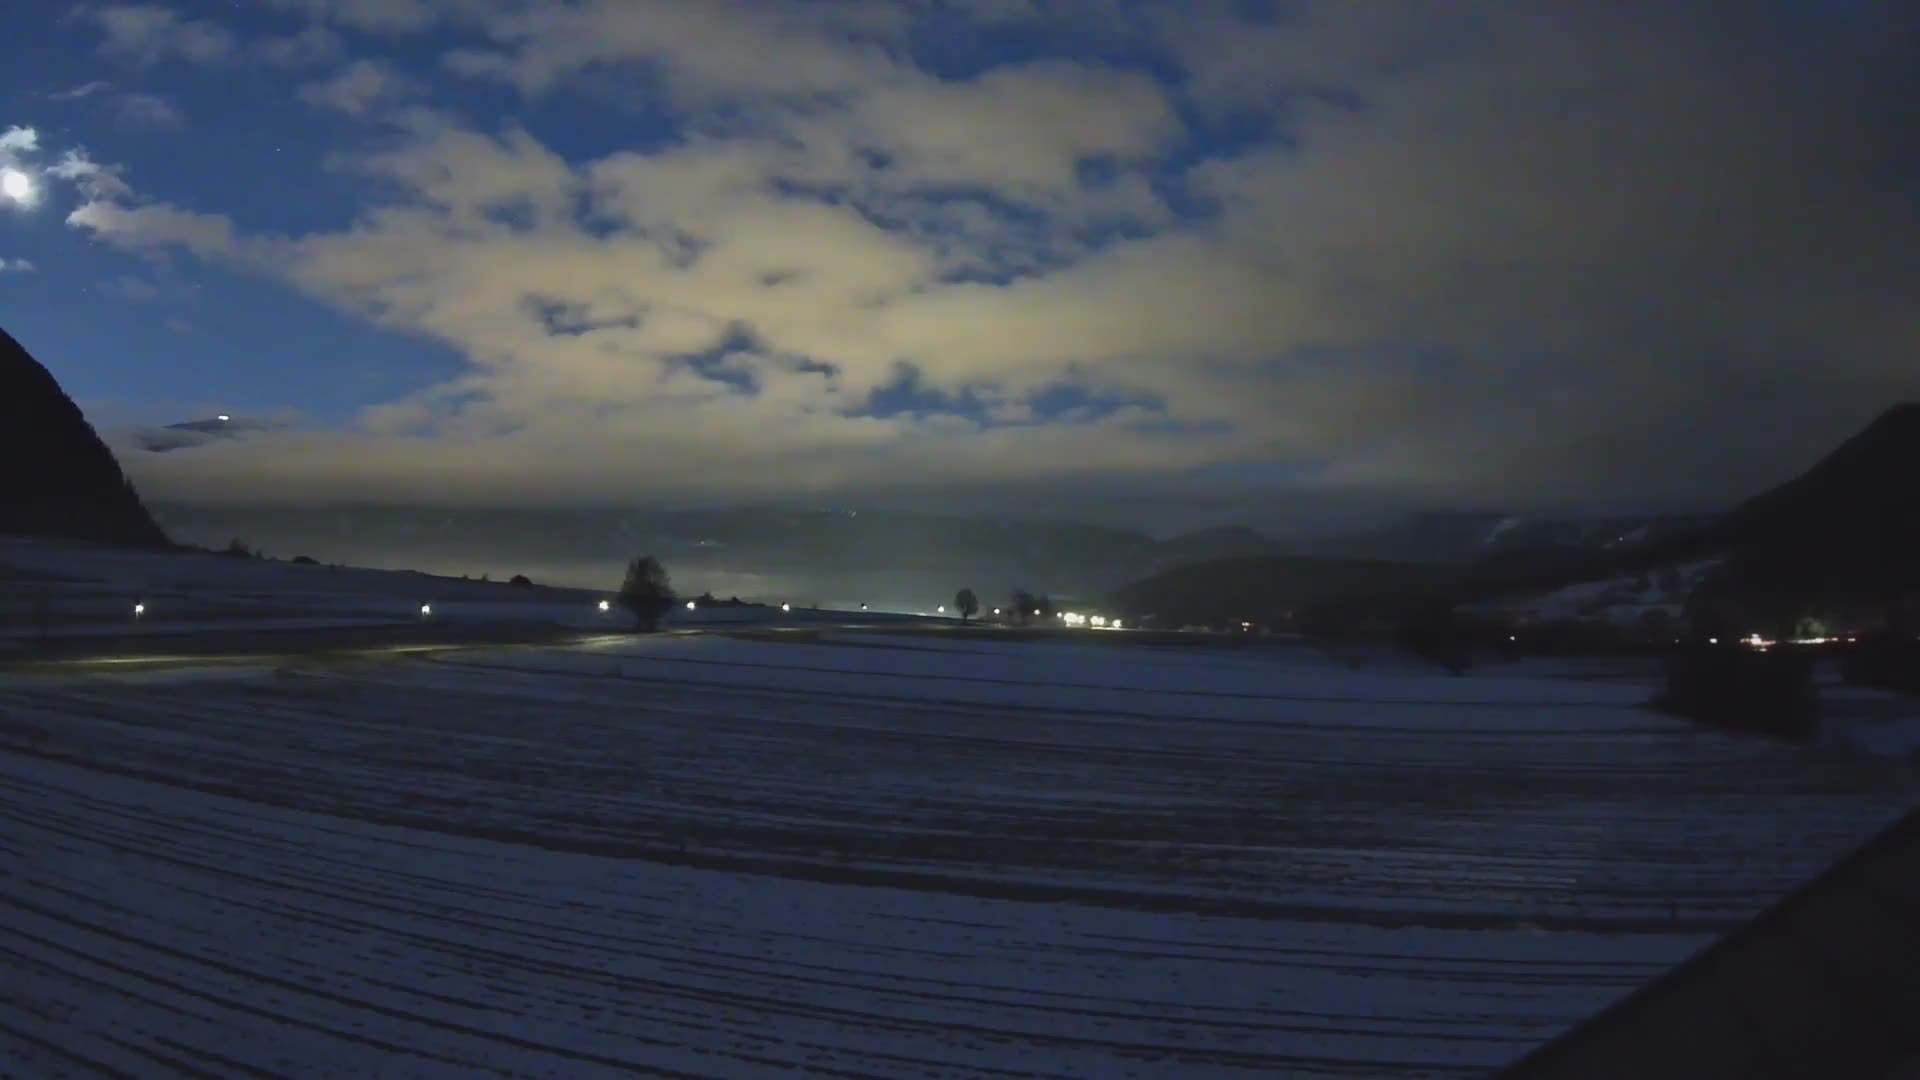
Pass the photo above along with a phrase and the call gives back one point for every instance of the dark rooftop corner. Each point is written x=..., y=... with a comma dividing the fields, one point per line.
x=1824, y=985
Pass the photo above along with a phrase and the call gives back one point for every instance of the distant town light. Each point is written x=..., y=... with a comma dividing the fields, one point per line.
x=942, y=609
x=605, y=606
x=691, y=605
x=426, y=609
x=223, y=418
x=996, y=611
x=139, y=609
x=1036, y=613
x=1116, y=625
x=863, y=607
x=786, y=607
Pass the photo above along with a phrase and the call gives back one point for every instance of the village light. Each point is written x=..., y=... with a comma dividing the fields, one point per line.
x=139, y=610
x=426, y=609
x=690, y=605
x=605, y=606
x=786, y=607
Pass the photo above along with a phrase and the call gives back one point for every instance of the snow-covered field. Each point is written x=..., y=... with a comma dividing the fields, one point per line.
x=86, y=592
x=865, y=856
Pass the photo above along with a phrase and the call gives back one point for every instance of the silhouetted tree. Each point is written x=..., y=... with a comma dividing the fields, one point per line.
x=1023, y=605
x=647, y=592
x=238, y=548
x=305, y=560
x=520, y=581
x=966, y=603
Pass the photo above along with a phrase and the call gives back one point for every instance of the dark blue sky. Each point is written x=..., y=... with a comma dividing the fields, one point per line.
x=1429, y=254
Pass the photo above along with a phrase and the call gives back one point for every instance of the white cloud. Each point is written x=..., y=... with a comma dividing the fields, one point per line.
x=1456, y=251
x=95, y=181
x=19, y=140
x=84, y=90
x=151, y=33
x=359, y=88
x=149, y=111
x=130, y=287
x=312, y=46
x=178, y=326
x=16, y=266
x=160, y=227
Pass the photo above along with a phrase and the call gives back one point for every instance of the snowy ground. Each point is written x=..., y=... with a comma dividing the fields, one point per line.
x=865, y=856
x=92, y=592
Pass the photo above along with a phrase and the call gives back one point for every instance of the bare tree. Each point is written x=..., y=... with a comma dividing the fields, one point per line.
x=1023, y=608
x=967, y=604
x=647, y=592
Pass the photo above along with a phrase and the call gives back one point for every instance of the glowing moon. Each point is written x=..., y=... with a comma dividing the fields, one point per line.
x=16, y=185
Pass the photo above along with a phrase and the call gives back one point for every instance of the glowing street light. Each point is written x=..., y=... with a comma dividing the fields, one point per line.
x=426, y=610
x=786, y=607
x=139, y=610
x=942, y=609
x=996, y=611
x=691, y=605
x=605, y=606
x=223, y=418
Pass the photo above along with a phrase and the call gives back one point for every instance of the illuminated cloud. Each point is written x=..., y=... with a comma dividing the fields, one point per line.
x=1438, y=252
x=358, y=88
x=152, y=33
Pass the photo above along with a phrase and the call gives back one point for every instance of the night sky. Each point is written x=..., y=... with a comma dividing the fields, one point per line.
x=1424, y=254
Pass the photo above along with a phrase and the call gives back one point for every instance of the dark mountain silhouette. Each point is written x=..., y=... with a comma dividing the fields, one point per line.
x=56, y=477
x=1855, y=512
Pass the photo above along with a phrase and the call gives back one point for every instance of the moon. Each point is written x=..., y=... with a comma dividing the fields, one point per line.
x=16, y=185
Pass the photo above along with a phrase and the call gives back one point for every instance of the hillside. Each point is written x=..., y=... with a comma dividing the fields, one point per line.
x=1277, y=590
x=56, y=477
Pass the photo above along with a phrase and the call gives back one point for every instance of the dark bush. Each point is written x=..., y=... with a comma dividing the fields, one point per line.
x=1884, y=661
x=1768, y=692
x=520, y=581
x=305, y=560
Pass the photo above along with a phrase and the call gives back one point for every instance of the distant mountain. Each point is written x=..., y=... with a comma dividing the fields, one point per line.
x=194, y=433
x=1479, y=536
x=1841, y=536
x=56, y=477
x=895, y=559
x=1278, y=590
x=1205, y=545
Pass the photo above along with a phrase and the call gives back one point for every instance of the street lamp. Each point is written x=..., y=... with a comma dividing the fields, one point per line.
x=139, y=610
x=604, y=606
x=942, y=609
x=691, y=605
x=786, y=607
x=426, y=610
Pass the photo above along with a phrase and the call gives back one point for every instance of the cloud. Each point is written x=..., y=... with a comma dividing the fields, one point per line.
x=161, y=227
x=178, y=326
x=151, y=33
x=130, y=287
x=312, y=46
x=359, y=88
x=84, y=90
x=148, y=111
x=16, y=266
x=19, y=140
x=95, y=180
x=1436, y=253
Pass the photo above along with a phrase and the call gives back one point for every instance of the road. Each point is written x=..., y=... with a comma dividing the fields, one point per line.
x=203, y=647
